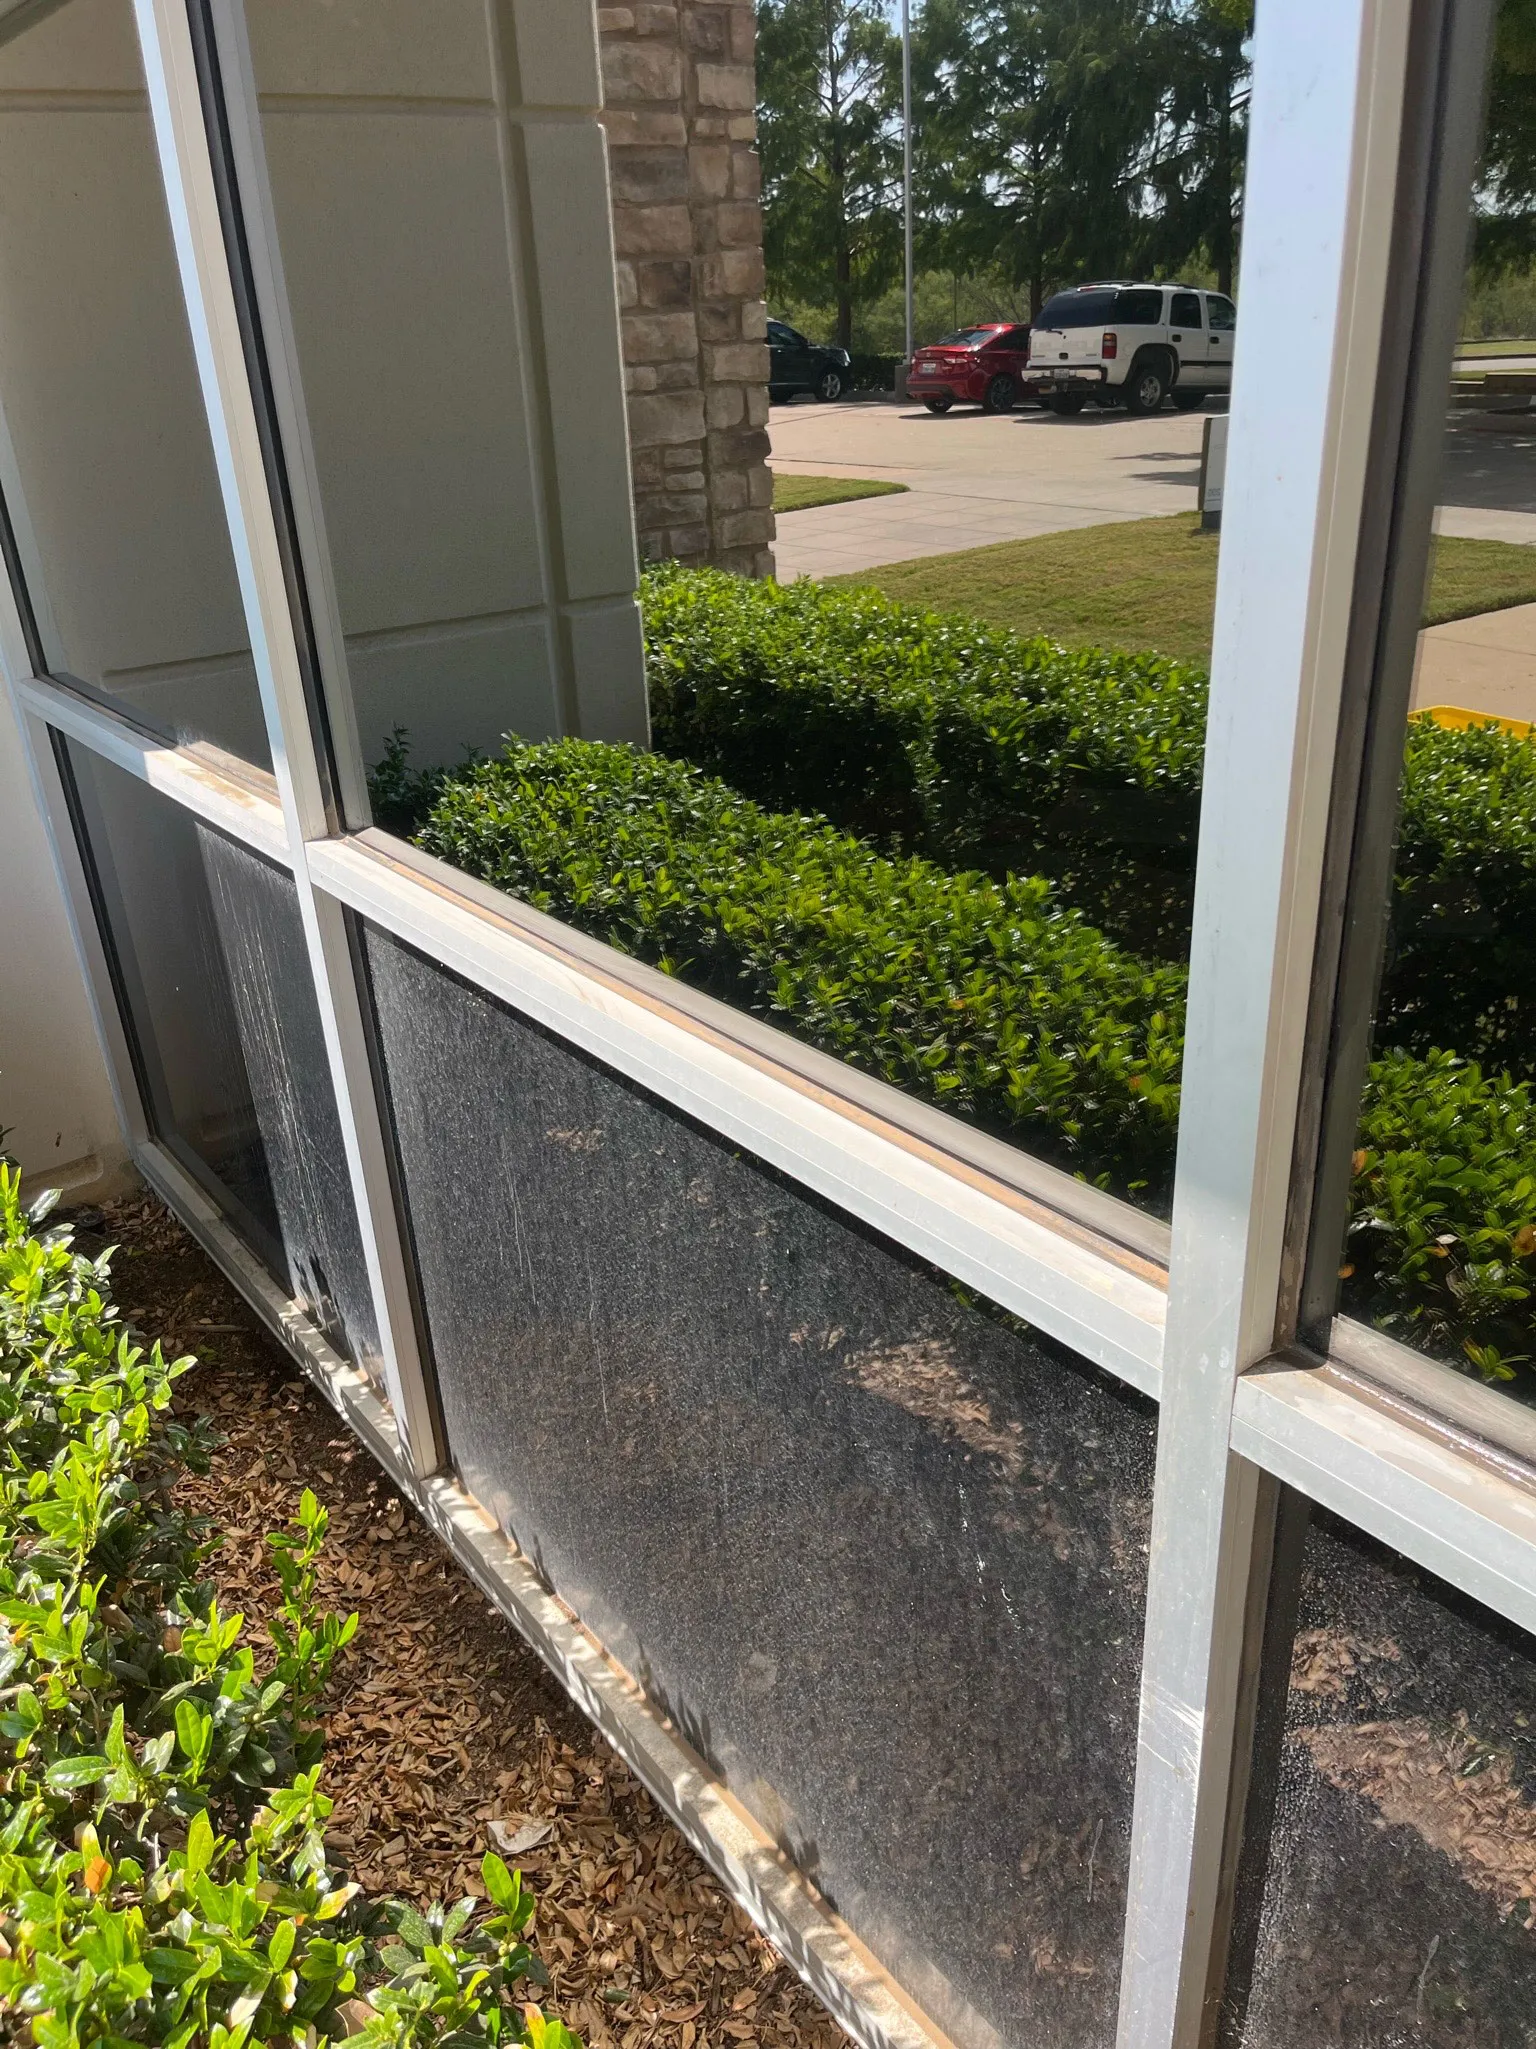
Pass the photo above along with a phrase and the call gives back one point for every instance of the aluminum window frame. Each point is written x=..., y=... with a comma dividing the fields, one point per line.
x=1239, y=1408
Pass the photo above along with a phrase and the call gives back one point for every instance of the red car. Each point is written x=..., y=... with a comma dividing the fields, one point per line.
x=983, y=364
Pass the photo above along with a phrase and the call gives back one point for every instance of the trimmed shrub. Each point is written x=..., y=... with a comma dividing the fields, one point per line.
x=995, y=1001
x=977, y=747
x=163, y=1871
x=990, y=998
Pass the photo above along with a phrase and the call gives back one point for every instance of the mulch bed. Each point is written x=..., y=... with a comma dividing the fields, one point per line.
x=446, y=1736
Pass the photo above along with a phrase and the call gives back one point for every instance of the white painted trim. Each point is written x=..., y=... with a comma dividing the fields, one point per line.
x=1424, y=1496
x=203, y=780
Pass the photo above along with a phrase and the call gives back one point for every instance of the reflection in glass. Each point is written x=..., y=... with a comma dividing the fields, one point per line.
x=105, y=459
x=212, y=973
x=1399, y=1902
x=1441, y=1250
x=877, y=1552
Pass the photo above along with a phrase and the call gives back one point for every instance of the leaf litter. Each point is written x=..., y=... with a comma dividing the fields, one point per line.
x=445, y=1734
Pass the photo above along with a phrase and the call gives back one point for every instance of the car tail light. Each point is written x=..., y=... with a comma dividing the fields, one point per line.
x=1109, y=348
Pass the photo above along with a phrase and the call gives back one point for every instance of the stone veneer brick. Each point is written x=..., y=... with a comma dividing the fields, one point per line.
x=680, y=86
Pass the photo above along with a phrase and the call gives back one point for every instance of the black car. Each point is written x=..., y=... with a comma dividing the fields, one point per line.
x=795, y=364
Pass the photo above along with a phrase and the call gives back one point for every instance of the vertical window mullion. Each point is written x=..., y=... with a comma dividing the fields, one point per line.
x=232, y=400
x=1328, y=85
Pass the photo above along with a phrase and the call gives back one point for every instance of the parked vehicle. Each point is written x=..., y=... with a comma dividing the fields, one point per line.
x=1131, y=345
x=795, y=365
x=985, y=365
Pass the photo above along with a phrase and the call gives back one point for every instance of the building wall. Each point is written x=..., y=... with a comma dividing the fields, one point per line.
x=680, y=91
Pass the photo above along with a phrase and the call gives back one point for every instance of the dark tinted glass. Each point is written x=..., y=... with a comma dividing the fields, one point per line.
x=968, y=337
x=1185, y=310
x=1077, y=309
x=1139, y=309
x=1399, y=1902
x=1222, y=311
x=105, y=459
x=879, y=1555
x=1440, y=1169
x=214, y=980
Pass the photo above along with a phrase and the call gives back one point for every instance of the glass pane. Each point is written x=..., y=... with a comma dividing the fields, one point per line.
x=880, y=1554
x=1441, y=1250
x=1399, y=1902
x=214, y=982
x=956, y=853
x=474, y=503
x=105, y=459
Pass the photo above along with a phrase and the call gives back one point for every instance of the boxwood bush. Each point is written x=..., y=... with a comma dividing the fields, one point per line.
x=163, y=1871
x=978, y=747
x=995, y=1000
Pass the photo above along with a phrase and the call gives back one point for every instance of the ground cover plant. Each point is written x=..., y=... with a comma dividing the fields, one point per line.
x=800, y=494
x=1149, y=585
x=164, y=1872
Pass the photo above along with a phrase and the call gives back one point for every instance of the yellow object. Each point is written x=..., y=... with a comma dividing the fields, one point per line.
x=1458, y=720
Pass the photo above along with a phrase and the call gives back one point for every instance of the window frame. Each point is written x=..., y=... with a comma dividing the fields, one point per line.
x=1204, y=1320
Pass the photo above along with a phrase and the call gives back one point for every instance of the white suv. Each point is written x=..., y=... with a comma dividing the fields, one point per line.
x=1131, y=345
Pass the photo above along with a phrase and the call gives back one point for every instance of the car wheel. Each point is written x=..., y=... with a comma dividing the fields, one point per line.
x=1188, y=401
x=1147, y=387
x=1000, y=395
x=1066, y=403
x=938, y=405
x=829, y=386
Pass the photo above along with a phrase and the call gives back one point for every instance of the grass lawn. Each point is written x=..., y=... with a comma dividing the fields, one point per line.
x=799, y=494
x=1151, y=584
x=1464, y=350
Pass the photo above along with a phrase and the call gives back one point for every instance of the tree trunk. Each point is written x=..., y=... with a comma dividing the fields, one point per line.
x=1222, y=252
x=844, y=296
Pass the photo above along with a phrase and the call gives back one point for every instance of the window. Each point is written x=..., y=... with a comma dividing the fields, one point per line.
x=1223, y=313
x=1139, y=309
x=784, y=337
x=1077, y=309
x=969, y=338
x=1185, y=310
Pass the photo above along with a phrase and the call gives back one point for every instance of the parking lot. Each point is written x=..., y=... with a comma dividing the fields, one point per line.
x=974, y=478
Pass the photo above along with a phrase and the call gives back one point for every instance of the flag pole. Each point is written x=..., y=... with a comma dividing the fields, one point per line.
x=906, y=163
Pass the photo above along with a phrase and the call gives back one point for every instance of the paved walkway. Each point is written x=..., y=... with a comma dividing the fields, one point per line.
x=973, y=479
x=1484, y=664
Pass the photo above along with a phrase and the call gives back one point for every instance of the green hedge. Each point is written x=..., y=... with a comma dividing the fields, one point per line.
x=977, y=747
x=163, y=1871
x=991, y=999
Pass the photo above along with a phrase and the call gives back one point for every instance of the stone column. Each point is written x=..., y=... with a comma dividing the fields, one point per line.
x=680, y=90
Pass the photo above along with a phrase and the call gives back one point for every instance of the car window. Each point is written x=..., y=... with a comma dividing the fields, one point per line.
x=967, y=338
x=1077, y=309
x=1139, y=309
x=1186, y=310
x=1014, y=338
x=786, y=337
x=1223, y=313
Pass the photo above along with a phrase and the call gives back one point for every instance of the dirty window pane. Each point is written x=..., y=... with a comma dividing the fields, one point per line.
x=878, y=1552
x=214, y=981
x=1399, y=1903
x=105, y=459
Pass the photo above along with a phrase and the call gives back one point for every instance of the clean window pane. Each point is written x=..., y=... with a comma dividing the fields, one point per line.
x=880, y=1555
x=1393, y=1899
x=1186, y=310
x=105, y=460
x=213, y=979
x=449, y=278
x=1441, y=1245
x=1139, y=309
x=1223, y=314
x=1077, y=309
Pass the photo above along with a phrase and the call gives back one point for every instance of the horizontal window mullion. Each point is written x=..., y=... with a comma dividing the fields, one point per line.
x=186, y=775
x=1443, y=1506
x=1105, y=1304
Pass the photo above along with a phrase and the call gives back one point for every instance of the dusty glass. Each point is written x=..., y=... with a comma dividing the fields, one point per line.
x=212, y=977
x=1394, y=1899
x=106, y=466
x=879, y=1554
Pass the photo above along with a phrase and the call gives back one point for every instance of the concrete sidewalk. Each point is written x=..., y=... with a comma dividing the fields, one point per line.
x=975, y=478
x=1485, y=664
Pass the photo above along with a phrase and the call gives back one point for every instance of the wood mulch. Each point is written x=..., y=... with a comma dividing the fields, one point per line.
x=446, y=1736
